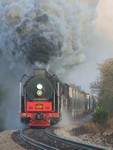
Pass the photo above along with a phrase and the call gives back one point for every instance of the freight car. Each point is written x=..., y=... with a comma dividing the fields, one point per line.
x=77, y=102
x=40, y=99
x=43, y=95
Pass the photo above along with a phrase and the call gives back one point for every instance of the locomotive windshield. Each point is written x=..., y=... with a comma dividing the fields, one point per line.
x=39, y=88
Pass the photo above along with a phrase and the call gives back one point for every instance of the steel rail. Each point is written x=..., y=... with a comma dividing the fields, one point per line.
x=80, y=144
x=36, y=144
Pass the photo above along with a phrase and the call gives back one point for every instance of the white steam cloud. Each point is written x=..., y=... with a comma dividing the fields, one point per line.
x=38, y=31
x=104, y=22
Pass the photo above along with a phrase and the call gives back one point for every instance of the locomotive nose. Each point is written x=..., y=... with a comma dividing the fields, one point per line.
x=39, y=117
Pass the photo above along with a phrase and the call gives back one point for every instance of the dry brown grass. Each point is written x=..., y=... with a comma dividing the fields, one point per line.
x=98, y=128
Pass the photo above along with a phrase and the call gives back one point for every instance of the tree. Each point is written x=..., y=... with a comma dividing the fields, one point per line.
x=104, y=86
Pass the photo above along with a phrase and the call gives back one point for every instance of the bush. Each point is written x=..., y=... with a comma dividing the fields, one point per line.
x=101, y=116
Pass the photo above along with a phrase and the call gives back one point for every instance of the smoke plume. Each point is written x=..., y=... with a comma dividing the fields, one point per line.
x=38, y=31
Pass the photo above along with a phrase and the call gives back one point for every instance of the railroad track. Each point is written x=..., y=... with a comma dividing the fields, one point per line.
x=35, y=143
x=81, y=146
x=72, y=145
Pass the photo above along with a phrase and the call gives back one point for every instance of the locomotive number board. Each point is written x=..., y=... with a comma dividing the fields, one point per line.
x=39, y=106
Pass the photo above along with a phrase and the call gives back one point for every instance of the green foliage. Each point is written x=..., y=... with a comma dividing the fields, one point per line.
x=101, y=116
x=104, y=83
x=103, y=86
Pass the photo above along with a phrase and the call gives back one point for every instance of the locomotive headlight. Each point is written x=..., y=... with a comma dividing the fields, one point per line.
x=39, y=92
x=39, y=86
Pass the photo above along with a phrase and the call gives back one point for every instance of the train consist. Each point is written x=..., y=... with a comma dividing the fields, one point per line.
x=43, y=95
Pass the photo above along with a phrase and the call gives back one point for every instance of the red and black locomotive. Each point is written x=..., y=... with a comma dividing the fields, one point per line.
x=40, y=99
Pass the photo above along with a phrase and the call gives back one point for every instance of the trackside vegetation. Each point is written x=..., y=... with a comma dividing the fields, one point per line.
x=100, y=116
x=103, y=87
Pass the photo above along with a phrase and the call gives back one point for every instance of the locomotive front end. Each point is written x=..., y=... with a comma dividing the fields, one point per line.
x=40, y=99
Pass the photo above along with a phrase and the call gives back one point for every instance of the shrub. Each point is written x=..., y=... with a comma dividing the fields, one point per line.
x=101, y=116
